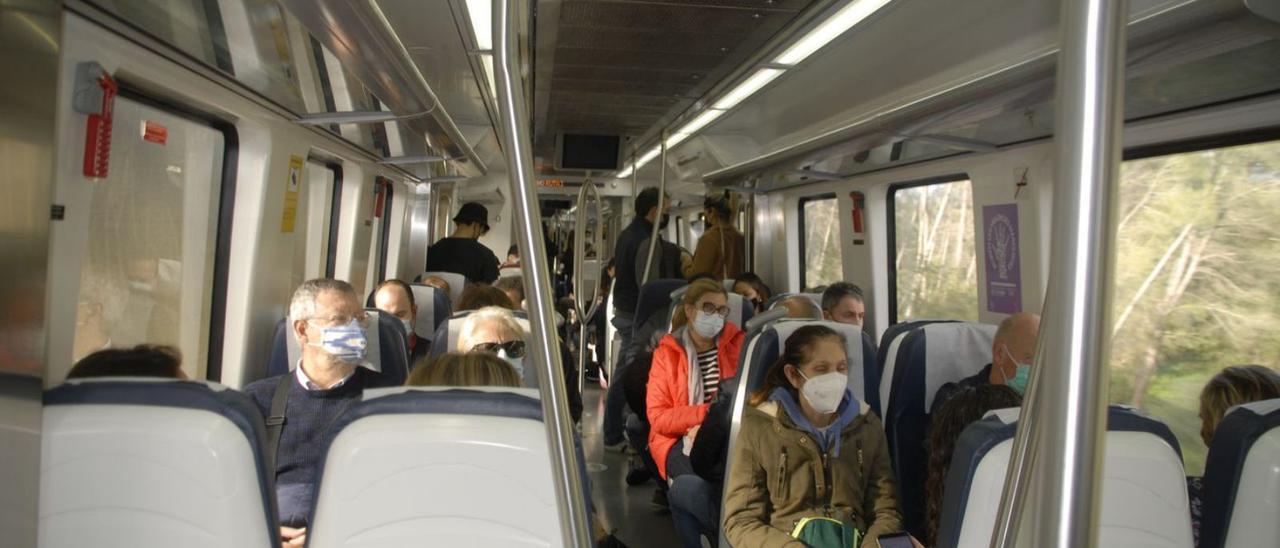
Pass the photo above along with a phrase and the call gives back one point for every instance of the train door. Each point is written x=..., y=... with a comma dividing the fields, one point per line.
x=142, y=239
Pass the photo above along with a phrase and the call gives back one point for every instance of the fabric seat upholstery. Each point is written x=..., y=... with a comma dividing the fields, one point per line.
x=1242, y=478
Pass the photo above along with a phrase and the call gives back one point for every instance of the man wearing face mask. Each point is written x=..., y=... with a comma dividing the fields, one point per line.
x=396, y=298
x=1012, y=351
x=300, y=406
x=688, y=366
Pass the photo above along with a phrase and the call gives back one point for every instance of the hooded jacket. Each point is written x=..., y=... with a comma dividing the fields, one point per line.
x=781, y=475
x=667, y=399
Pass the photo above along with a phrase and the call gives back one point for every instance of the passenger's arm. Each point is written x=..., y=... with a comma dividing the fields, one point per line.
x=642, y=254
x=706, y=255
x=880, y=500
x=745, y=519
x=668, y=415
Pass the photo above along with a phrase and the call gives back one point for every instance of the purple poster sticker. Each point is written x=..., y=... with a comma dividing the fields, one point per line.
x=1004, y=277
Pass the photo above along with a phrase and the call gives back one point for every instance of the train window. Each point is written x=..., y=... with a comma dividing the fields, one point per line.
x=147, y=267
x=1195, y=286
x=934, y=272
x=820, y=242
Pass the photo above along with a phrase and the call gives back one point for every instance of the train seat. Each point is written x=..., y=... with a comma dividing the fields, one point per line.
x=739, y=312
x=651, y=318
x=153, y=462
x=458, y=467
x=433, y=310
x=447, y=332
x=1144, y=496
x=457, y=283
x=387, y=350
x=924, y=358
x=1242, y=478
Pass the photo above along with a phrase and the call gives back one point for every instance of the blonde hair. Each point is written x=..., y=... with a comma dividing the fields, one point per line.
x=496, y=314
x=696, y=290
x=1235, y=385
x=469, y=369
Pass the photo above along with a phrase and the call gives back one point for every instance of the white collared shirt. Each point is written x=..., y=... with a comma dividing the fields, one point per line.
x=308, y=385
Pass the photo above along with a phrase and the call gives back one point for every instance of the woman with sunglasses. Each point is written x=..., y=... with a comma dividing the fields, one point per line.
x=687, y=368
x=494, y=330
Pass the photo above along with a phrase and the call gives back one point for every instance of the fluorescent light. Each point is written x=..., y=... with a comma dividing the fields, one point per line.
x=404, y=160
x=687, y=131
x=747, y=87
x=481, y=14
x=624, y=173
x=348, y=117
x=644, y=159
x=848, y=16
x=676, y=138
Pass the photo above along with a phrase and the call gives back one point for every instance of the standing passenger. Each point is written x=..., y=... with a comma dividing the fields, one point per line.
x=721, y=248
x=462, y=252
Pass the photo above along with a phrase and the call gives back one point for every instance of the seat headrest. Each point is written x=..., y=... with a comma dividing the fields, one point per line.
x=433, y=308
x=763, y=351
x=457, y=283
x=655, y=297
x=1241, y=481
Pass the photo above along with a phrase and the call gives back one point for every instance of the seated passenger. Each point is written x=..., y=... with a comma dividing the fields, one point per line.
x=470, y=369
x=396, y=298
x=686, y=372
x=753, y=289
x=805, y=426
x=494, y=330
x=966, y=405
x=513, y=286
x=842, y=302
x=799, y=306
x=513, y=258
x=143, y=360
x=1235, y=385
x=438, y=283
x=1012, y=350
x=477, y=296
x=328, y=323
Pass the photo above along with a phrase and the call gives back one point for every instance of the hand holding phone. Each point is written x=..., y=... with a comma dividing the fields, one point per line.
x=898, y=540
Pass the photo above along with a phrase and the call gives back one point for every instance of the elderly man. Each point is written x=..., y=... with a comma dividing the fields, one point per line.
x=799, y=306
x=328, y=321
x=396, y=298
x=842, y=302
x=496, y=330
x=1012, y=350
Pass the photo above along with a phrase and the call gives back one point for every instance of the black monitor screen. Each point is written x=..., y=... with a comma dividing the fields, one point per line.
x=595, y=152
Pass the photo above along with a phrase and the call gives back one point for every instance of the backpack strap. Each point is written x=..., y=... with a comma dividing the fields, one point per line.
x=275, y=422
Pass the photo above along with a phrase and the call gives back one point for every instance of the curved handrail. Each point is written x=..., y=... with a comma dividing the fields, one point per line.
x=579, y=257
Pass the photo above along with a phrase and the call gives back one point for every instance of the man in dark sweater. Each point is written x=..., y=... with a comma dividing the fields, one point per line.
x=462, y=251
x=326, y=317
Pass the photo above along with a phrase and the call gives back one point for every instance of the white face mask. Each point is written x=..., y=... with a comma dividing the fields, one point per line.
x=517, y=363
x=408, y=327
x=708, y=325
x=824, y=392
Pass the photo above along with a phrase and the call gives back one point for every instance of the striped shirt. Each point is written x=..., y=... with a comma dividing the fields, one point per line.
x=710, y=369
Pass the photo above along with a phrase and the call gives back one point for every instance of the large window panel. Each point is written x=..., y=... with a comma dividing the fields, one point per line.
x=934, y=264
x=1196, y=288
x=820, y=243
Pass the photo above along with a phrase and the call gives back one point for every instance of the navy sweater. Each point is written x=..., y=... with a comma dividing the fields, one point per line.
x=308, y=418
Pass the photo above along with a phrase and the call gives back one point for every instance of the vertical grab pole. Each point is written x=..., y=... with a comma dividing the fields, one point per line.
x=579, y=257
x=1066, y=444
x=662, y=200
x=513, y=130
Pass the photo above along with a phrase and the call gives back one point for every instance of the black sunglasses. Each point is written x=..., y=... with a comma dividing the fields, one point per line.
x=515, y=349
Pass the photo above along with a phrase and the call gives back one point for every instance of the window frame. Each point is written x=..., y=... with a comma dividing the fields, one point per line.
x=892, y=229
x=804, y=263
x=384, y=227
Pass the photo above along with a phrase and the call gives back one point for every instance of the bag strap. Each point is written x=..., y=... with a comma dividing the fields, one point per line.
x=275, y=422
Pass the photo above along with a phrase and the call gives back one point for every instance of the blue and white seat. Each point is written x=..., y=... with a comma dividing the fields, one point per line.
x=457, y=283
x=452, y=467
x=1144, y=496
x=1242, y=478
x=447, y=333
x=433, y=309
x=387, y=347
x=153, y=462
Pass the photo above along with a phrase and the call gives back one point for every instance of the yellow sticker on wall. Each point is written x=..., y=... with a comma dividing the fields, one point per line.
x=291, y=195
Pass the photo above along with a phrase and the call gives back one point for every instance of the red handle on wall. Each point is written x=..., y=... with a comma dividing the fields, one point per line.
x=97, y=141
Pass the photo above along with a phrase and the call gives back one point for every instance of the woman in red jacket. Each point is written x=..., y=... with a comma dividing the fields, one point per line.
x=688, y=365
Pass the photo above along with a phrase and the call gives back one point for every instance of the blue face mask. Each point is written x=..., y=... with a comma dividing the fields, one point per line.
x=345, y=343
x=1021, y=376
x=517, y=363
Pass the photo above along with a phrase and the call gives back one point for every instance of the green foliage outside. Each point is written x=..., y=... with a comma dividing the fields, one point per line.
x=935, y=259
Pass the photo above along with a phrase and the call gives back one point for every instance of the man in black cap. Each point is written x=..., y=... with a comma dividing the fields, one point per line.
x=462, y=252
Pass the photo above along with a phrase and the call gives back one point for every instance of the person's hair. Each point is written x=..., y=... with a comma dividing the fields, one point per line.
x=140, y=361
x=646, y=200
x=837, y=292
x=513, y=250
x=303, y=304
x=719, y=204
x=751, y=279
x=797, y=351
x=478, y=295
x=496, y=314
x=511, y=283
x=696, y=291
x=464, y=369
x=815, y=312
x=967, y=405
x=1234, y=385
x=396, y=283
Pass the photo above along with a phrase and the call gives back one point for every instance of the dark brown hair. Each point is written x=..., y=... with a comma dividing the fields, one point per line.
x=796, y=352
x=963, y=408
x=143, y=360
x=1233, y=386
x=477, y=296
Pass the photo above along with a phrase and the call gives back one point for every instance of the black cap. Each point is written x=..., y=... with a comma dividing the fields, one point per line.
x=473, y=212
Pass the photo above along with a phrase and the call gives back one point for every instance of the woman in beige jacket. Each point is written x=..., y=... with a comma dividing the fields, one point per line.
x=809, y=448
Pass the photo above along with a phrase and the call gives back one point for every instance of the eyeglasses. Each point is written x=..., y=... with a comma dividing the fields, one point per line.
x=515, y=349
x=362, y=319
x=711, y=308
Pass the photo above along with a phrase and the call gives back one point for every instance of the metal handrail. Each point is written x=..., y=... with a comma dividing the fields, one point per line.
x=1063, y=436
x=579, y=257
x=513, y=128
x=662, y=200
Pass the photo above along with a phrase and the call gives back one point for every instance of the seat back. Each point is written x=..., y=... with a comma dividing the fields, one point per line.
x=740, y=312
x=1144, y=495
x=457, y=283
x=151, y=462
x=433, y=309
x=458, y=467
x=387, y=347
x=1242, y=478
x=925, y=358
x=651, y=311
